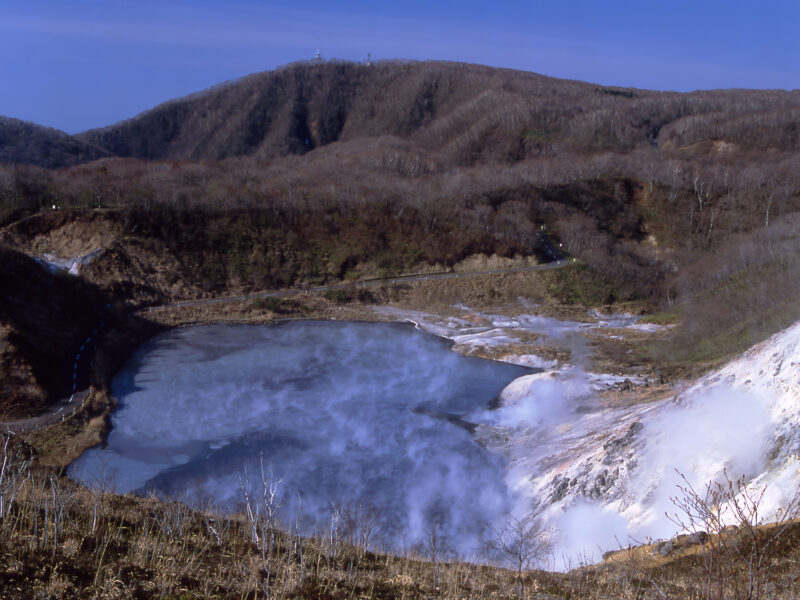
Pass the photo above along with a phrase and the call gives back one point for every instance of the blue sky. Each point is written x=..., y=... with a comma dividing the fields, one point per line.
x=77, y=64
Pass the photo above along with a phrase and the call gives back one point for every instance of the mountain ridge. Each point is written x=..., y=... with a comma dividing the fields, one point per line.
x=459, y=114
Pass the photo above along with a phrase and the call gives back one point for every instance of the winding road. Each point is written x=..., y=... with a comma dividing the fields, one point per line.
x=65, y=407
x=55, y=413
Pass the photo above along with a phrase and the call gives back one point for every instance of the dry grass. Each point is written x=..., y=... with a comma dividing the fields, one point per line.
x=61, y=540
x=63, y=442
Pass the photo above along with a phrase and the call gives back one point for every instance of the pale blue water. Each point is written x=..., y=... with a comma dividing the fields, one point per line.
x=358, y=414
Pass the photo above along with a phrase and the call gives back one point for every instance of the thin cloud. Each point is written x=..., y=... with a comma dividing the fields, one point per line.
x=339, y=32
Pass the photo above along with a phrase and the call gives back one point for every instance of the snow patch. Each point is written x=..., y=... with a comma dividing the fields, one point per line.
x=529, y=360
x=72, y=265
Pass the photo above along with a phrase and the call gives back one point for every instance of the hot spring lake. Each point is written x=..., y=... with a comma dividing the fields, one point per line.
x=370, y=415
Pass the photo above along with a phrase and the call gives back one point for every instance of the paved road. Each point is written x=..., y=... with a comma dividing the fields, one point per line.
x=64, y=407
x=364, y=283
x=57, y=412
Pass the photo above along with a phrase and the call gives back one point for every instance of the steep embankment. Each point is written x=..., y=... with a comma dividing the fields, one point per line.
x=169, y=254
x=46, y=316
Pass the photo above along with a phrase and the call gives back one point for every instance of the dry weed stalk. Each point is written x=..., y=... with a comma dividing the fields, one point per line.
x=142, y=547
x=727, y=516
x=14, y=474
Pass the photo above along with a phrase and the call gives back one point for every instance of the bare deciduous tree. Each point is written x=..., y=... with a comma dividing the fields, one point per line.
x=262, y=517
x=740, y=547
x=14, y=472
x=523, y=542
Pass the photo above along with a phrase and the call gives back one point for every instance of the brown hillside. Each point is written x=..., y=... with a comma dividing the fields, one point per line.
x=687, y=202
x=28, y=143
x=457, y=113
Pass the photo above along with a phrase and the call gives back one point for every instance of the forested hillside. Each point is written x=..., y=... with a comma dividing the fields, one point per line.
x=459, y=114
x=28, y=143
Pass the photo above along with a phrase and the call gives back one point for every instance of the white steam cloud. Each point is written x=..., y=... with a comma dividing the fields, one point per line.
x=388, y=419
x=364, y=415
x=692, y=442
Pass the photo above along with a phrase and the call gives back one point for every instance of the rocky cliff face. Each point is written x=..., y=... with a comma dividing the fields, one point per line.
x=44, y=317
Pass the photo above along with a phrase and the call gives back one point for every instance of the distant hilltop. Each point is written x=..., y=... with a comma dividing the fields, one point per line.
x=456, y=114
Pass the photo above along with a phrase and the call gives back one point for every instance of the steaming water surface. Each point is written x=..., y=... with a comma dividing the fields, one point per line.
x=356, y=414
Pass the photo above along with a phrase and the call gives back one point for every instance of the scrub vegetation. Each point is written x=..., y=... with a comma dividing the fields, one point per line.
x=59, y=540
